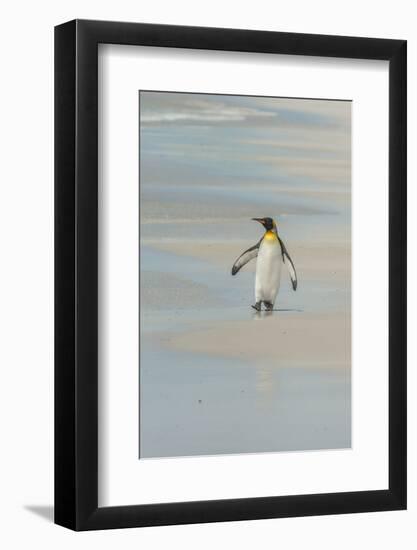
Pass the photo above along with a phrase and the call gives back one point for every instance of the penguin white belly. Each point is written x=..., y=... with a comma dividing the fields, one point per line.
x=268, y=270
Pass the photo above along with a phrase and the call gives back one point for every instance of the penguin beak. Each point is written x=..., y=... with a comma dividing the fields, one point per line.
x=260, y=220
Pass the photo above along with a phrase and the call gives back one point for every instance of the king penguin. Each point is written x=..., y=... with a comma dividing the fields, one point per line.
x=271, y=253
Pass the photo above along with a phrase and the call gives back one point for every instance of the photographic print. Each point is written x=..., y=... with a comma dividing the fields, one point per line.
x=245, y=274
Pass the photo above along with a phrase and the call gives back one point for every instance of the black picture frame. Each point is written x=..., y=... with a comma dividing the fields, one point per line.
x=76, y=272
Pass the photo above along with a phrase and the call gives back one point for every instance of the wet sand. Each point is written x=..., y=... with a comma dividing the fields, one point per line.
x=218, y=377
x=303, y=340
x=296, y=336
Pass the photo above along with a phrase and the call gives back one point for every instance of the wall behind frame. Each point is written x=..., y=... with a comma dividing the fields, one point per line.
x=26, y=289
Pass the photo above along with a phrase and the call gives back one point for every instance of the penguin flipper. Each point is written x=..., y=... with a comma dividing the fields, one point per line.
x=290, y=265
x=246, y=257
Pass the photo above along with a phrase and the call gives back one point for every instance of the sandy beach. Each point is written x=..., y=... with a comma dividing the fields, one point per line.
x=278, y=337
x=323, y=260
x=296, y=336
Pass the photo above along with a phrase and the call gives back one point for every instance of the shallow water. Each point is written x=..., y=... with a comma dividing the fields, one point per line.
x=196, y=405
x=199, y=404
x=214, y=288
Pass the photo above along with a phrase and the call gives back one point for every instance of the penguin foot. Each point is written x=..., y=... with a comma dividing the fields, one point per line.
x=257, y=306
x=269, y=306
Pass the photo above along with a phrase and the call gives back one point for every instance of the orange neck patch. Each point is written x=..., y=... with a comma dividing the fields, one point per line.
x=270, y=236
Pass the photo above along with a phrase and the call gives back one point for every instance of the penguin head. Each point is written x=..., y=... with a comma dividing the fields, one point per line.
x=268, y=223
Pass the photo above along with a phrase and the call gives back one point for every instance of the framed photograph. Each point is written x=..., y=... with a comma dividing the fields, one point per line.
x=230, y=252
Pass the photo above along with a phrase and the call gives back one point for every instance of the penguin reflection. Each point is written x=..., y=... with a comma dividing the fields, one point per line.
x=270, y=253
